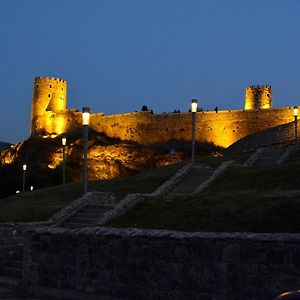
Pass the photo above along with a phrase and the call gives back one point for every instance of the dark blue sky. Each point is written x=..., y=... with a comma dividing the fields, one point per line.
x=118, y=55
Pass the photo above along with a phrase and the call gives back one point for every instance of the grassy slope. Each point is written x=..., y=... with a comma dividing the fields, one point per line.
x=40, y=204
x=242, y=199
x=254, y=199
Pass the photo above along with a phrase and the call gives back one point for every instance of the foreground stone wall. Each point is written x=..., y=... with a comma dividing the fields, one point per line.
x=148, y=264
x=11, y=236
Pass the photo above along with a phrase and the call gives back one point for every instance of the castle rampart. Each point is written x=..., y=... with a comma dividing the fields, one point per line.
x=223, y=128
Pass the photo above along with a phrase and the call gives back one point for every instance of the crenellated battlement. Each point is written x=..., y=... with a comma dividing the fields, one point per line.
x=50, y=117
x=50, y=78
x=258, y=97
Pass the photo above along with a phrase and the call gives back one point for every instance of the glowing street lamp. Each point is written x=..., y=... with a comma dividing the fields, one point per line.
x=296, y=124
x=24, y=176
x=64, y=142
x=86, y=112
x=193, y=110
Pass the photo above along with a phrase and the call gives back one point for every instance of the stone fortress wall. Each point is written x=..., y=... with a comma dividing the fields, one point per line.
x=222, y=128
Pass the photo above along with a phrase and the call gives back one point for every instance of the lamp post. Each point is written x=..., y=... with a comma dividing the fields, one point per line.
x=24, y=176
x=296, y=125
x=85, y=122
x=193, y=110
x=64, y=142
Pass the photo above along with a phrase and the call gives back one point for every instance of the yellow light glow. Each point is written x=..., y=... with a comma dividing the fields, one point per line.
x=55, y=160
x=194, y=105
x=86, y=112
x=295, y=111
x=60, y=124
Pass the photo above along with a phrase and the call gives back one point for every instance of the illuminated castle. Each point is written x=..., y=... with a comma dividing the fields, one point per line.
x=50, y=117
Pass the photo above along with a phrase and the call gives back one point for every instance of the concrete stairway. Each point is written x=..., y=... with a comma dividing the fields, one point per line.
x=189, y=183
x=87, y=216
x=269, y=156
x=11, y=273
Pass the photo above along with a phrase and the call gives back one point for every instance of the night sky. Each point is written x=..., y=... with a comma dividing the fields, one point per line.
x=118, y=55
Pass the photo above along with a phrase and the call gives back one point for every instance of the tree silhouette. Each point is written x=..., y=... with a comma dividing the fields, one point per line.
x=144, y=108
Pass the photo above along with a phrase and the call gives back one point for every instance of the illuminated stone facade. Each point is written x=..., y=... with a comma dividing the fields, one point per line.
x=48, y=102
x=258, y=97
x=50, y=117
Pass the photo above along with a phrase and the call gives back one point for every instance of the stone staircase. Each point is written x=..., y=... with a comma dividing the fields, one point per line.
x=87, y=216
x=11, y=273
x=269, y=156
x=198, y=174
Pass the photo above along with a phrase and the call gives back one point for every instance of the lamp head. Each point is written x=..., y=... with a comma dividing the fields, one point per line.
x=194, y=105
x=86, y=112
x=295, y=111
x=64, y=141
x=24, y=167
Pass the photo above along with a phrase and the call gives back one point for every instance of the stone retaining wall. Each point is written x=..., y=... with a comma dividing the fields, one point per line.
x=149, y=264
x=11, y=236
x=279, y=135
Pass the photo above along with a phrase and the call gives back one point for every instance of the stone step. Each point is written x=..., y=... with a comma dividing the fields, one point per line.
x=11, y=271
x=192, y=182
x=90, y=221
x=269, y=157
x=96, y=209
x=88, y=215
x=7, y=293
x=183, y=191
x=16, y=263
x=76, y=225
x=188, y=184
x=8, y=282
x=92, y=213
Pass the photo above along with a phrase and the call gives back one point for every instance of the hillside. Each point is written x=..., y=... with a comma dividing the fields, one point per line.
x=108, y=158
x=40, y=204
x=243, y=199
x=4, y=145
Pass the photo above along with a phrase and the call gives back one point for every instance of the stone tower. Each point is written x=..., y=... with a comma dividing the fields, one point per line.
x=49, y=98
x=258, y=97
